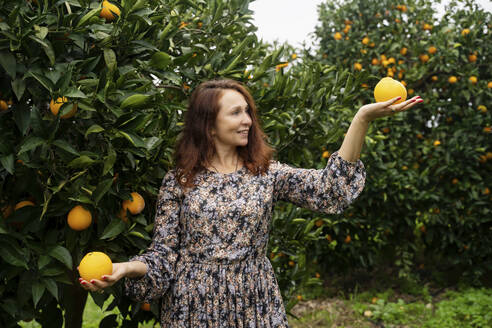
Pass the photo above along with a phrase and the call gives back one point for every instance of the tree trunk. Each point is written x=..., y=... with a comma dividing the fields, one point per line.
x=74, y=299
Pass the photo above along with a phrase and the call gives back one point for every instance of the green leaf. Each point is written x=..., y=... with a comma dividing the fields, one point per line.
x=89, y=15
x=75, y=93
x=47, y=47
x=45, y=82
x=95, y=128
x=109, y=161
x=61, y=254
x=65, y=146
x=81, y=161
x=160, y=60
x=134, y=101
x=114, y=228
x=51, y=286
x=37, y=292
x=12, y=256
x=41, y=31
x=30, y=143
x=7, y=60
x=19, y=86
x=110, y=59
x=101, y=189
x=8, y=162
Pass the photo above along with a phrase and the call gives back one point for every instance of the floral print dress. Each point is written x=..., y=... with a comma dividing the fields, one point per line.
x=208, y=260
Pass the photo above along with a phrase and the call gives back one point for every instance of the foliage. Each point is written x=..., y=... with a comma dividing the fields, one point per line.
x=130, y=79
x=426, y=204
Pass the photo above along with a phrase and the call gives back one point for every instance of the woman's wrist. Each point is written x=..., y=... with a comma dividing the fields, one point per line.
x=135, y=269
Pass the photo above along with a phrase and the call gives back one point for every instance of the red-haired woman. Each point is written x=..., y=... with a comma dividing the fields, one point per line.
x=208, y=256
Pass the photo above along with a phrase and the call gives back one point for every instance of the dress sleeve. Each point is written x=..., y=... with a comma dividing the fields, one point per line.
x=162, y=254
x=329, y=190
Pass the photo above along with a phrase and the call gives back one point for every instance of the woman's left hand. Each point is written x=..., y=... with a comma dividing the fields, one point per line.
x=370, y=112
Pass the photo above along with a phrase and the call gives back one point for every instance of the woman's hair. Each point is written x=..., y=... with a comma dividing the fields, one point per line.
x=195, y=146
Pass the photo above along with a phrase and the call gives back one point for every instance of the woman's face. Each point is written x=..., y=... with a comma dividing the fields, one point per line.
x=233, y=120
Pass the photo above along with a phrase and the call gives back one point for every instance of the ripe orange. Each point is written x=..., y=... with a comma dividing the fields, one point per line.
x=432, y=50
x=7, y=210
x=145, y=307
x=79, y=218
x=109, y=11
x=22, y=204
x=326, y=154
x=472, y=58
x=465, y=32
x=387, y=88
x=136, y=205
x=338, y=36
x=3, y=105
x=437, y=143
x=482, y=108
x=299, y=297
x=427, y=27
x=348, y=239
x=434, y=78
x=122, y=215
x=375, y=61
x=94, y=265
x=365, y=40
x=473, y=79
x=386, y=130
x=403, y=51
x=319, y=223
x=56, y=105
x=489, y=85
x=452, y=79
x=455, y=181
x=292, y=263
x=317, y=275
x=424, y=58
x=358, y=66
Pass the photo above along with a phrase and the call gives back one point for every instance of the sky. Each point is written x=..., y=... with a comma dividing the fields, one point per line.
x=293, y=20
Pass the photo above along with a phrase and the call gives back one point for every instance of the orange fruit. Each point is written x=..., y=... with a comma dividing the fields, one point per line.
x=386, y=130
x=375, y=61
x=199, y=24
x=473, y=79
x=486, y=191
x=348, y=239
x=56, y=105
x=94, y=265
x=489, y=85
x=319, y=223
x=326, y=154
x=136, y=205
x=338, y=36
x=427, y=27
x=434, y=78
x=452, y=79
x=487, y=129
x=472, y=58
x=488, y=155
x=7, y=210
x=122, y=215
x=109, y=11
x=365, y=40
x=465, y=32
x=358, y=66
x=292, y=263
x=299, y=297
x=387, y=88
x=432, y=50
x=22, y=204
x=403, y=51
x=437, y=143
x=145, y=307
x=79, y=218
x=424, y=58
x=3, y=105
x=455, y=181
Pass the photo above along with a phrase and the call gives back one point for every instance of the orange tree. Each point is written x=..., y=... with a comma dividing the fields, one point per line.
x=92, y=100
x=427, y=197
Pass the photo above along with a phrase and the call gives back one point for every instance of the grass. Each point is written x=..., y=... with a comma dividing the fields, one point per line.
x=466, y=308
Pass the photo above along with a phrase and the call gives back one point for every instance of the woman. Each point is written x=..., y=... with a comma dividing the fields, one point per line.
x=208, y=254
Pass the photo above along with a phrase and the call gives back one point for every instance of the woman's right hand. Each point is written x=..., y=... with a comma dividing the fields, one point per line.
x=119, y=271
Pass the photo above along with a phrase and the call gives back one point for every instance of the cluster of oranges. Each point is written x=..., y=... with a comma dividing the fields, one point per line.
x=80, y=218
